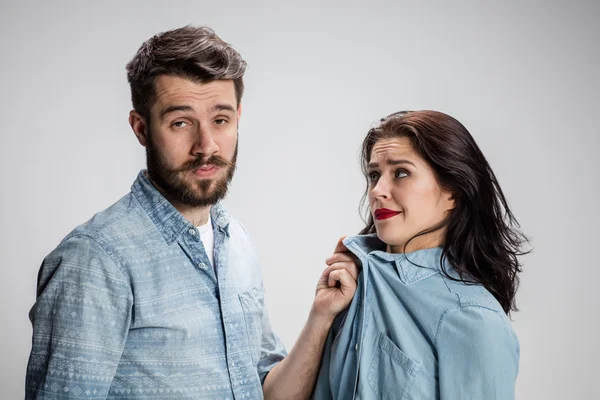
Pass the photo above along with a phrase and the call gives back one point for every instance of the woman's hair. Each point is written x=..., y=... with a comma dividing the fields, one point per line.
x=483, y=238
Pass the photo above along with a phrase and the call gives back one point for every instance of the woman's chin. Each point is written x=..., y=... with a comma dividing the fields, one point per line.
x=390, y=243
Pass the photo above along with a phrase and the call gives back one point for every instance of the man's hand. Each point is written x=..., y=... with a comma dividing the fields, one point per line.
x=295, y=376
x=337, y=284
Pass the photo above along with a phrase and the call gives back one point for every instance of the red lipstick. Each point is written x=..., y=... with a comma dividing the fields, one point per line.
x=384, y=213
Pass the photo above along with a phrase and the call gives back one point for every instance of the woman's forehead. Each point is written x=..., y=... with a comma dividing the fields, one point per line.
x=393, y=147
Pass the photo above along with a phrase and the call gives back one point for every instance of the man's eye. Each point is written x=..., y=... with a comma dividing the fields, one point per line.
x=220, y=121
x=179, y=124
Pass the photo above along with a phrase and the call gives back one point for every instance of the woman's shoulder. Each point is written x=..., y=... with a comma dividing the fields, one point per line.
x=474, y=295
x=465, y=293
x=474, y=310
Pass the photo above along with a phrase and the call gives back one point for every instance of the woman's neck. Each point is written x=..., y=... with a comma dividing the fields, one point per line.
x=428, y=241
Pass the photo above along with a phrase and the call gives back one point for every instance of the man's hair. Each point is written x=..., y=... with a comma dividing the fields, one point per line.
x=194, y=53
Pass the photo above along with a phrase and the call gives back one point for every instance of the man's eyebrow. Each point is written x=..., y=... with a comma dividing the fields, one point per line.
x=390, y=162
x=182, y=107
x=173, y=108
x=224, y=107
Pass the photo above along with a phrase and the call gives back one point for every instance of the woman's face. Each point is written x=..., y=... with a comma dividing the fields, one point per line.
x=404, y=196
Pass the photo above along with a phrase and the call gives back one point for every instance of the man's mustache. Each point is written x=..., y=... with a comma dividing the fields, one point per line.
x=198, y=162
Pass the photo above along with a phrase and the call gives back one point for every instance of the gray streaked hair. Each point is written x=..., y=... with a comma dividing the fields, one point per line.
x=195, y=53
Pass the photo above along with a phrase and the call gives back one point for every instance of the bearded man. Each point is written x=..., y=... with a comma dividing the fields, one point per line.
x=160, y=296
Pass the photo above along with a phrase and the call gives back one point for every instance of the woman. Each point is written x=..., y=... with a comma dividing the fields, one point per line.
x=439, y=272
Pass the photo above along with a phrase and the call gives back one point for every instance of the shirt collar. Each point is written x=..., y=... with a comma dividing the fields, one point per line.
x=411, y=267
x=220, y=216
x=169, y=222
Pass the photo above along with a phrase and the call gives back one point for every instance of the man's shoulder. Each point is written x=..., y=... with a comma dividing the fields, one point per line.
x=88, y=250
x=239, y=235
x=106, y=225
x=237, y=229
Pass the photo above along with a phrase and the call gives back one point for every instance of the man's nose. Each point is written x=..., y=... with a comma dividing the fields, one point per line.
x=204, y=142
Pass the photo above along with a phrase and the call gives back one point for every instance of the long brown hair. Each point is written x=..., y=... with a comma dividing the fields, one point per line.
x=483, y=237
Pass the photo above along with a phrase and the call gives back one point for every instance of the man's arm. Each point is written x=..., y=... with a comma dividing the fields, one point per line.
x=80, y=323
x=294, y=377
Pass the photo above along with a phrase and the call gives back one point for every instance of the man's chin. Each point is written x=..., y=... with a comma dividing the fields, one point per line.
x=205, y=196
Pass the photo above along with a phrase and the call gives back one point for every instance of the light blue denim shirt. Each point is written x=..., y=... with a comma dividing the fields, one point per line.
x=130, y=307
x=412, y=333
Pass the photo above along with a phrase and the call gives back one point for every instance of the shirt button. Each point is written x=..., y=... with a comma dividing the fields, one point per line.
x=356, y=347
x=221, y=220
x=192, y=231
x=202, y=266
x=255, y=291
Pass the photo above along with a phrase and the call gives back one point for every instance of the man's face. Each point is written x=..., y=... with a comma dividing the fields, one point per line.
x=191, y=147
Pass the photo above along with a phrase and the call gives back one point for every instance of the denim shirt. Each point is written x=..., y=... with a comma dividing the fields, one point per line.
x=130, y=307
x=412, y=333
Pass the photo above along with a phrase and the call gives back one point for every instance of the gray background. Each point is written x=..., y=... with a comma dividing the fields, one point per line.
x=523, y=78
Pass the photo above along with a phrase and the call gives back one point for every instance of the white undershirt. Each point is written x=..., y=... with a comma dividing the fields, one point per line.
x=208, y=239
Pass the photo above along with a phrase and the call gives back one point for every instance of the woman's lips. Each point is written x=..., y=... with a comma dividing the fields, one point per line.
x=384, y=213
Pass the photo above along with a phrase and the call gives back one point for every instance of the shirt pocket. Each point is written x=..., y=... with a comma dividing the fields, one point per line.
x=392, y=373
x=252, y=302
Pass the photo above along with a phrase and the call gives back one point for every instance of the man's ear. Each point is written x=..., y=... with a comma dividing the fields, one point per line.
x=139, y=126
x=239, y=113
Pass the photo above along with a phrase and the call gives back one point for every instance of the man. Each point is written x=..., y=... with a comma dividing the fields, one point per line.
x=160, y=296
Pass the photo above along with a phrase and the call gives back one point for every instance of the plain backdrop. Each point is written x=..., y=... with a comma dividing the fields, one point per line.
x=522, y=76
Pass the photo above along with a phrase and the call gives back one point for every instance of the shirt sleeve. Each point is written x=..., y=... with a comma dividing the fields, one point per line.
x=80, y=323
x=478, y=355
x=272, y=350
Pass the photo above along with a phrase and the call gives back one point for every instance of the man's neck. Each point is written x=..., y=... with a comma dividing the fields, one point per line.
x=196, y=215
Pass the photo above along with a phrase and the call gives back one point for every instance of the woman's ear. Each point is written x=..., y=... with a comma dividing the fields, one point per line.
x=450, y=200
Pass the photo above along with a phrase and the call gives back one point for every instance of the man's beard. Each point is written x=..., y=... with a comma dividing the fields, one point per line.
x=174, y=187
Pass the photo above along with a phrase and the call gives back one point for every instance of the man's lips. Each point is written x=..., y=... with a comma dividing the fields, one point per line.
x=384, y=213
x=206, y=170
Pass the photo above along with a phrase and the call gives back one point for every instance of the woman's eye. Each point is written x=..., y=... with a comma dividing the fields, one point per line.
x=401, y=173
x=373, y=176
